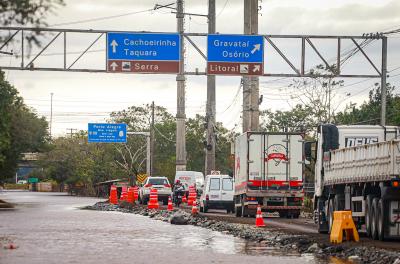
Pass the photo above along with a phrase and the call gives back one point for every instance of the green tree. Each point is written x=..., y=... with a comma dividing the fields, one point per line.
x=21, y=130
x=28, y=13
x=369, y=112
x=316, y=96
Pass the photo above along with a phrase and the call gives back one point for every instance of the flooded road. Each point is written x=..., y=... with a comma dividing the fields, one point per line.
x=49, y=228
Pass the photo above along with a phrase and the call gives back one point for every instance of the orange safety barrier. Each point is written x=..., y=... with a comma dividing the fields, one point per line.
x=153, y=201
x=194, y=208
x=135, y=193
x=192, y=195
x=113, y=195
x=130, y=197
x=170, y=207
x=123, y=194
x=259, y=217
x=343, y=222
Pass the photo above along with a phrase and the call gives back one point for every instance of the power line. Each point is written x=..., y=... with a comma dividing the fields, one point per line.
x=223, y=8
x=100, y=18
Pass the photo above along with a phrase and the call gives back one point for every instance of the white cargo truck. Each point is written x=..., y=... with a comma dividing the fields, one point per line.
x=357, y=168
x=269, y=172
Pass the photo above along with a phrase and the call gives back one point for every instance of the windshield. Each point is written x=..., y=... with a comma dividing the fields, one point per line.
x=158, y=181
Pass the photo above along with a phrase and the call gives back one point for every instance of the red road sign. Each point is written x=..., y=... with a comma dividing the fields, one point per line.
x=235, y=68
x=130, y=66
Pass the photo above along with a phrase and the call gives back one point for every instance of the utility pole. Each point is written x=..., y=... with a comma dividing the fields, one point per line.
x=250, y=84
x=180, y=81
x=51, y=112
x=152, y=141
x=211, y=105
x=383, y=81
x=71, y=131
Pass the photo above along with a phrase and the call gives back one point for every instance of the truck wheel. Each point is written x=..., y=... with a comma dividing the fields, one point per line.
x=283, y=214
x=374, y=218
x=321, y=217
x=331, y=209
x=238, y=211
x=245, y=211
x=368, y=216
x=339, y=202
x=381, y=220
x=296, y=214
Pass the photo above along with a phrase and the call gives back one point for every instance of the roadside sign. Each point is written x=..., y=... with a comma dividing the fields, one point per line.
x=143, y=52
x=106, y=133
x=33, y=180
x=235, y=54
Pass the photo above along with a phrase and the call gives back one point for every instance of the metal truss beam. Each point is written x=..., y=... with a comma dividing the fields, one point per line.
x=14, y=32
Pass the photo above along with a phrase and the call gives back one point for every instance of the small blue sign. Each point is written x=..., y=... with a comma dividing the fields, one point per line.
x=235, y=48
x=143, y=46
x=106, y=133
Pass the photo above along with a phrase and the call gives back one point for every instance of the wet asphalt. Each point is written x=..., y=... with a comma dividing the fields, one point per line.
x=50, y=228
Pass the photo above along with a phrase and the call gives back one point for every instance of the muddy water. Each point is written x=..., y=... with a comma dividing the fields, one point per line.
x=48, y=228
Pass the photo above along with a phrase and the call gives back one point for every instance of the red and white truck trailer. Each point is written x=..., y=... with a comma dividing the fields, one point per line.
x=269, y=172
x=357, y=168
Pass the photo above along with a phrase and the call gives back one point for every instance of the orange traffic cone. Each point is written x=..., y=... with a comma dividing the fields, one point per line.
x=130, y=197
x=192, y=195
x=123, y=194
x=194, y=208
x=153, y=201
x=259, y=218
x=170, y=207
x=113, y=195
x=135, y=193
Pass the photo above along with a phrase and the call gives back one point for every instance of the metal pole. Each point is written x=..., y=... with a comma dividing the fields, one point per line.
x=180, y=81
x=211, y=104
x=148, y=156
x=51, y=113
x=383, y=81
x=254, y=81
x=250, y=84
x=152, y=141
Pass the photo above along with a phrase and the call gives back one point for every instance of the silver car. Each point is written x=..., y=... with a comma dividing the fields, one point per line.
x=161, y=184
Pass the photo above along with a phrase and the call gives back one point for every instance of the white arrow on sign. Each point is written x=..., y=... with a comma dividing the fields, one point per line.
x=114, y=45
x=113, y=65
x=256, y=47
x=256, y=68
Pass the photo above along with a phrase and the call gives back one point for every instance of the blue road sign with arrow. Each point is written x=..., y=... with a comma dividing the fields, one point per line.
x=106, y=133
x=235, y=54
x=143, y=52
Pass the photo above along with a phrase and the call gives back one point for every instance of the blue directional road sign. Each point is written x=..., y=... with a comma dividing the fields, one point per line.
x=143, y=52
x=106, y=133
x=235, y=54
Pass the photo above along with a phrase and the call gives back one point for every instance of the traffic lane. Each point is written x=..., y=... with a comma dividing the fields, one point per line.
x=57, y=232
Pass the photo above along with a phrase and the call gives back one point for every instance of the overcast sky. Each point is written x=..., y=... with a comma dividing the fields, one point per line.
x=80, y=98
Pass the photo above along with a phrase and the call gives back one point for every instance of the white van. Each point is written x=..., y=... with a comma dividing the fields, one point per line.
x=190, y=178
x=217, y=193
